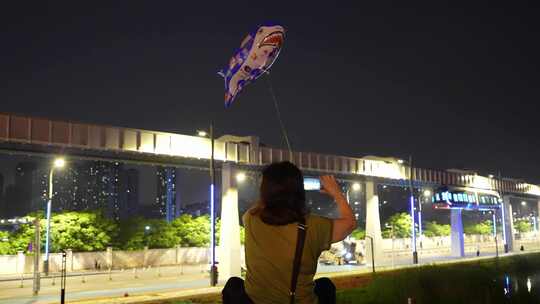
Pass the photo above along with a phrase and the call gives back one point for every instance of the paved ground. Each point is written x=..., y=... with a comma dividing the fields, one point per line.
x=156, y=280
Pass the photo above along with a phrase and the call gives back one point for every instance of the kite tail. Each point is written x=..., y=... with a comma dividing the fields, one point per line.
x=278, y=113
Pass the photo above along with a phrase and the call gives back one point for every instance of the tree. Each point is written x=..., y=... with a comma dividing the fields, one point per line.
x=523, y=225
x=401, y=223
x=21, y=238
x=242, y=235
x=4, y=242
x=434, y=229
x=81, y=231
x=359, y=234
x=160, y=234
x=483, y=228
x=134, y=234
x=194, y=232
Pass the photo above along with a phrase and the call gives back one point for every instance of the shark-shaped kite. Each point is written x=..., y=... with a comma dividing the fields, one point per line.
x=256, y=54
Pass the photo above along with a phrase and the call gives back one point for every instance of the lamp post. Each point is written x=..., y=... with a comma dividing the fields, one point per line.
x=146, y=232
x=58, y=163
x=213, y=267
x=411, y=198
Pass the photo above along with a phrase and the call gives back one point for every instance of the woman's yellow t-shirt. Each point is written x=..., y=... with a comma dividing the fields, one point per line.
x=270, y=253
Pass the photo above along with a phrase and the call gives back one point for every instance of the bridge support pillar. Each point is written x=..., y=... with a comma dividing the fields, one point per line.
x=373, y=224
x=456, y=235
x=508, y=227
x=229, y=241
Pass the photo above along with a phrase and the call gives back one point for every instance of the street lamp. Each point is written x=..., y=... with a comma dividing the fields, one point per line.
x=411, y=206
x=213, y=267
x=146, y=232
x=58, y=163
x=202, y=133
x=356, y=187
x=240, y=177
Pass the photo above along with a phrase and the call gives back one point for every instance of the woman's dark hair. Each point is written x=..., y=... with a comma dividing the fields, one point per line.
x=282, y=196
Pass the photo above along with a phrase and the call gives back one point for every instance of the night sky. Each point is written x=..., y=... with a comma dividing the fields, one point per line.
x=456, y=87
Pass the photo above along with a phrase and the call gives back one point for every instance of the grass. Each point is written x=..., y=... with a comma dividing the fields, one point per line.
x=476, y=282
x=479, y=282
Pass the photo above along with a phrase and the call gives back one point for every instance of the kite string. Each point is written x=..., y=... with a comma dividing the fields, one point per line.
x=278, y=113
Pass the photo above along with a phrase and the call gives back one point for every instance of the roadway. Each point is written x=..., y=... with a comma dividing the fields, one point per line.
x=117, y=283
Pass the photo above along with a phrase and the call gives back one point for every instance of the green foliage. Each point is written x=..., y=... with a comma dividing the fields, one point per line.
x=4, y=242
x=24, y=235
x=81, y=231
x=472, y=282
x=359, y=234
x=133, y=234
x=193, y=232
x=401, y=223
x=91, y=231
x=242, y=235
x=185, y=231
x=161, y=234
x=523, y=225
x=483, y=228
x=434, y=229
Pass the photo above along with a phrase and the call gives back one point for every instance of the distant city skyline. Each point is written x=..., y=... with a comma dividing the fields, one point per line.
x=121, y=190
x=127, y=190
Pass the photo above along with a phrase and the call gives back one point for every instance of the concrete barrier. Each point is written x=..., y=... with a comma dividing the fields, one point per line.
x=102, y=260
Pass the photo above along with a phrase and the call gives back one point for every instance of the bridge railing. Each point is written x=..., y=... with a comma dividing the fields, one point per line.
x=28, y=130
x=392, y=170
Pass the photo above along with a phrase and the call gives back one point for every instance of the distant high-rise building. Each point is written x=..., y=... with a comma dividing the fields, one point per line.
x=21, y=197
x=102, y=187
x=166, y=193
x=129, y=193
x=87, y=185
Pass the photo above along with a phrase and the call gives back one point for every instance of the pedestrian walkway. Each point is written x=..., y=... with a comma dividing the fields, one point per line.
x=169, y=282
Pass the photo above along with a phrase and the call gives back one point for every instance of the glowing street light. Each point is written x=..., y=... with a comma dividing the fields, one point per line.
x=240, y=177
x=202, y=133
x=356, y=187
x=427, y=193
x=58, y=163
x=523, y=203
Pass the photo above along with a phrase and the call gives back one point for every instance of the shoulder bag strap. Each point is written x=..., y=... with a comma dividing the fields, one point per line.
x=302, y=227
